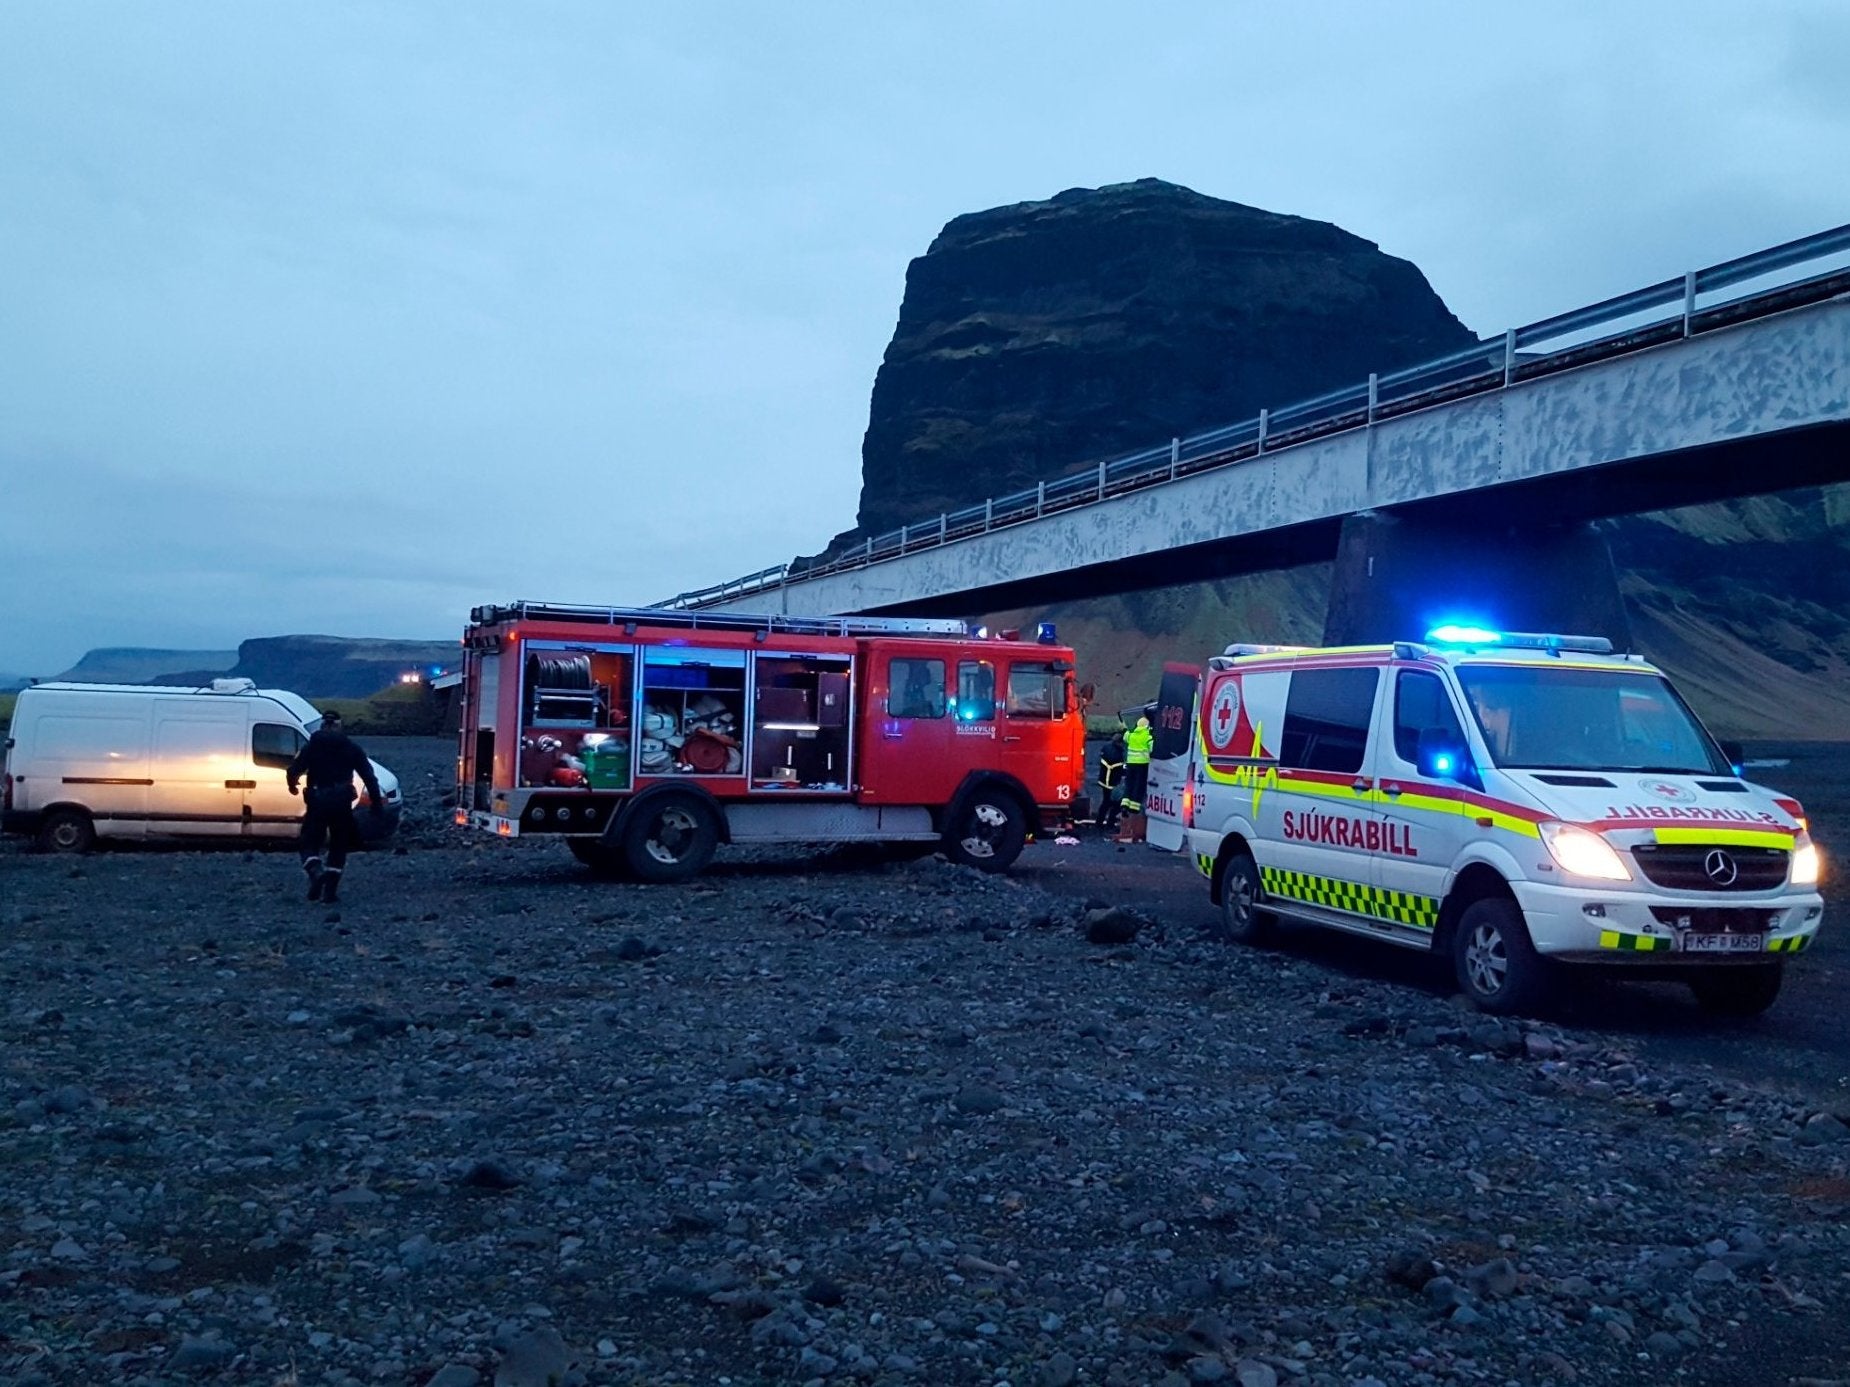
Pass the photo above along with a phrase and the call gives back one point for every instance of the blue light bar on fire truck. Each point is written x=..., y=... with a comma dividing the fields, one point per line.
x=1478, y=637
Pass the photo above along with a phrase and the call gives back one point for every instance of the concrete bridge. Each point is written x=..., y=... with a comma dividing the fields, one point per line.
x=1480, y=469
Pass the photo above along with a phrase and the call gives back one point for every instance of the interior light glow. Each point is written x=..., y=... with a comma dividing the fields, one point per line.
x=1583, y=853
x=791, y=726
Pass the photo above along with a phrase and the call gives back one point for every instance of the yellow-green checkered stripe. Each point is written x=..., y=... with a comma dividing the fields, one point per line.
x=1204, y=864
x=1635, y=943
x=1791, y=944
x=1333, y=893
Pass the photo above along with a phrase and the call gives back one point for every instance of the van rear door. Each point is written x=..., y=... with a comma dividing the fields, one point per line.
x=1172, y=757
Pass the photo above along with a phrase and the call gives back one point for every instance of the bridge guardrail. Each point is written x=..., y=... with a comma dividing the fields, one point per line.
x=1634, y=321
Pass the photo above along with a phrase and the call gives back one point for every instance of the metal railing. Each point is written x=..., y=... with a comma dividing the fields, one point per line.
x=1796, y=273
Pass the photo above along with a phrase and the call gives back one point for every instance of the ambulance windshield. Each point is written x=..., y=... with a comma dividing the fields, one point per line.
x=1535, y=717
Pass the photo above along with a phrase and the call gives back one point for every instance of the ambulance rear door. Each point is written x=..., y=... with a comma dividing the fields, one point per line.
x=1172, y=758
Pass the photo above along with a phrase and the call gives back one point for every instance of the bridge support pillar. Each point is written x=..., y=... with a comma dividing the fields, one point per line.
x=1399, y=576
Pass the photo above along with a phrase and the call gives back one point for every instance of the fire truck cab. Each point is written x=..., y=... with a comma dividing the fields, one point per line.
x=646, y=737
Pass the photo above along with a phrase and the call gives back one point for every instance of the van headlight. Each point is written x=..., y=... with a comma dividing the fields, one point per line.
x=1583, y=853
x=1807, y=864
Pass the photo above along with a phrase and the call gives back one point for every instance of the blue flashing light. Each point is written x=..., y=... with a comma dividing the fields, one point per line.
x=1442, y=765
x=982, y=633
x=1044, y=633
x=1453, y=634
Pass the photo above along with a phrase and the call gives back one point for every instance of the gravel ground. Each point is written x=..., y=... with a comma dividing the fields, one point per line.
x=826, y=1120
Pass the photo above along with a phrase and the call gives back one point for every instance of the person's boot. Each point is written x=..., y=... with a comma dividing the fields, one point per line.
x=330, y=885
x=313, y=868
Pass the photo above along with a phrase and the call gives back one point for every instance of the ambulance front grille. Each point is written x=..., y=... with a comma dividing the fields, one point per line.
x=1688, y=867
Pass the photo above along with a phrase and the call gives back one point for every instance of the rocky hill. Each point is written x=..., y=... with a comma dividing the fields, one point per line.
x=1036, y=339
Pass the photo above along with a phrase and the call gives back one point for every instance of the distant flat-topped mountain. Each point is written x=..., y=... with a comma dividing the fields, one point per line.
x=127, y=664
x=313, y=666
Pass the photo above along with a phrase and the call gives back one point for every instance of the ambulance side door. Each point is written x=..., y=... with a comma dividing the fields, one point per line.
x=1425, y=815
x=1320, y=823
x=1171, y=759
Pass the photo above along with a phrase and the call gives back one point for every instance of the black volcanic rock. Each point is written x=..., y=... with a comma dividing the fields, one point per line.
x=1039, y=338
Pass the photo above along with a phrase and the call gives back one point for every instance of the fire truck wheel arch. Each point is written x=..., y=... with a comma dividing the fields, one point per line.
x=642, y=803
x=990, y=780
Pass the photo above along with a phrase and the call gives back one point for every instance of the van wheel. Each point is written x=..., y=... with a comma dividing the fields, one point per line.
x=670, y=839
x=66, y=830
x=1241, y=921
x=1738, y=992
x=988, y=832
x=1497, y=966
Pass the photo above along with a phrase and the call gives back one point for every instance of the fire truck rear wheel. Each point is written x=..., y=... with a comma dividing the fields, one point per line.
x=989, y=831
x=670, y=839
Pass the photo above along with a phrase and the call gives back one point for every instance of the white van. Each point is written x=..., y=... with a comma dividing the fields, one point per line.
x=104, y=761
x=1516, y=802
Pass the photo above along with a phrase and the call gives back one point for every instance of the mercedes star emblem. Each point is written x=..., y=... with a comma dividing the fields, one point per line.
x=1720, y=868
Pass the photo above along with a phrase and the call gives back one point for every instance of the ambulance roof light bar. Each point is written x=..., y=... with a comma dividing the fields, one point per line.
x=1478, y=637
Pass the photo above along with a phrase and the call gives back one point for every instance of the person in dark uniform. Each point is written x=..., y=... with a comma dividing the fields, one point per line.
x=1110, y=783
x=329, y=762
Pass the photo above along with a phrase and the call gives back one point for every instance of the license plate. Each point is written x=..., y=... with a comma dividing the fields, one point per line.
x=1724, y=943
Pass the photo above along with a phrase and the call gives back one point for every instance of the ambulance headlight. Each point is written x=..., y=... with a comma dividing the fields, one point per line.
x=1583, y=853
x=1807, y=865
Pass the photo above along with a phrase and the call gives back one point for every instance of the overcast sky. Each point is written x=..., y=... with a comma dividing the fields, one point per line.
x=342, y=318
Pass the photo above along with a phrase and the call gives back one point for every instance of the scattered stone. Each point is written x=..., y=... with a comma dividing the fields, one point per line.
x=1821, y=1129
x=537, y=1358
x=490, y=1175
x=1112, y=925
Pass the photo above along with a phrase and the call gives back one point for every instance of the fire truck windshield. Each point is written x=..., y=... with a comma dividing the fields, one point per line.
x=1535, y=717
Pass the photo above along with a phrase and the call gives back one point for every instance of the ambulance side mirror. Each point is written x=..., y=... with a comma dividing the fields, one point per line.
x=1441, y=755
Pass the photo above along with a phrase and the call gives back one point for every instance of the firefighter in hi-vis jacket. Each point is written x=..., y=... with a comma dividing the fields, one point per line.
x=1137, y=744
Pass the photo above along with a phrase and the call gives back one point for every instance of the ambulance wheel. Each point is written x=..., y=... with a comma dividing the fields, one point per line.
x=1241, y=920
x=1497, y=966
x=66, y=830
x=670, y=839
x=989, y=831
x=1738, y=992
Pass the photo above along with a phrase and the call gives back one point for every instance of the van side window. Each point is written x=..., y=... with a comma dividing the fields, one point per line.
x=1036, y=691
x=976, y=691
x=1420, y=704
x=915, y=688
x=1326, y=719
x=275, y=744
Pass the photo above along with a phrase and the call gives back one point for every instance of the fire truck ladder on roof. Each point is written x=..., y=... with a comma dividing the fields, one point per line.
x=633, y=617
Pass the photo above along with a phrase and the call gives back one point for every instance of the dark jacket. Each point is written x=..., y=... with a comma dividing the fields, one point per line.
x=1111, y=763
x=330, y=761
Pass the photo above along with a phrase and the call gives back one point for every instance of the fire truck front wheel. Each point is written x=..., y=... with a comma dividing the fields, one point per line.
x=670, y=839
x=988, y=831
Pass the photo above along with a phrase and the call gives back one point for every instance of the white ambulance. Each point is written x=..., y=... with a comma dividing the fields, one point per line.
x=1516, y=802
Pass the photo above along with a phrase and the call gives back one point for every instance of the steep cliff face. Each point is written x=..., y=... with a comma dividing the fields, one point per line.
x=1037, y=338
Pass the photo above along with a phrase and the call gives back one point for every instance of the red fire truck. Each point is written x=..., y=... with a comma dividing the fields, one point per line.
x=645, y=737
